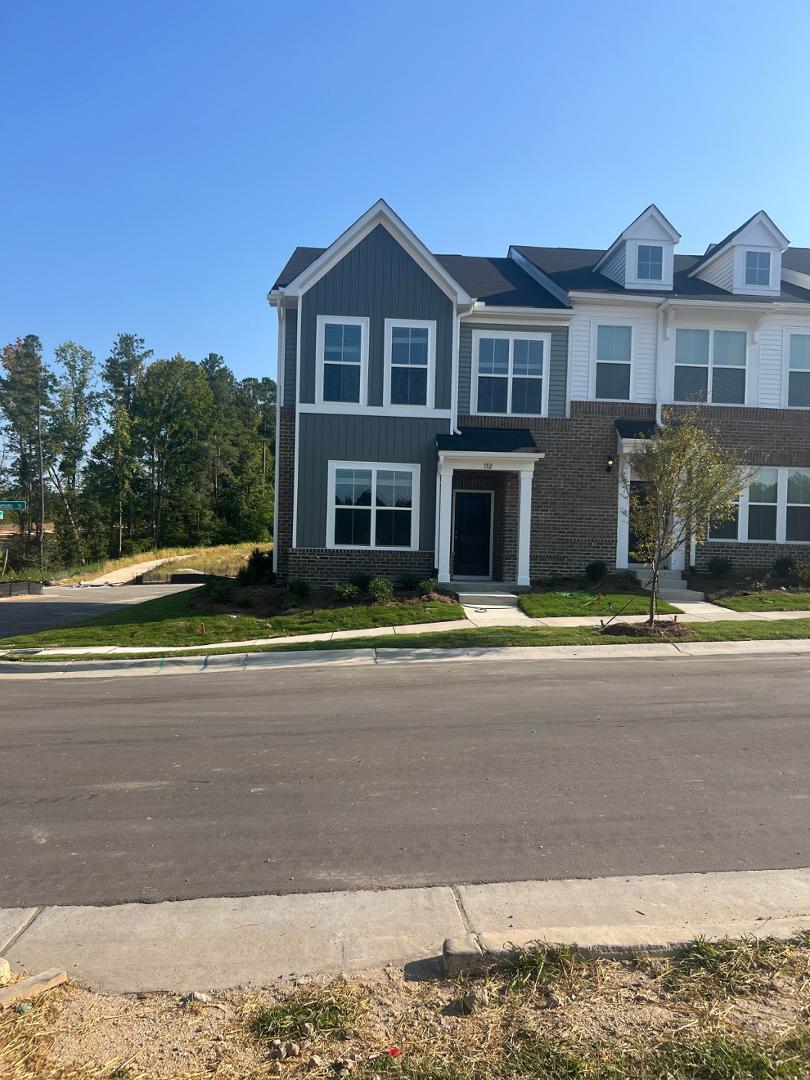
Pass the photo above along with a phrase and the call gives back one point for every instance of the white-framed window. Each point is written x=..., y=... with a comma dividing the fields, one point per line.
x=798, y=376
x=710, y=366
x=372, y=505
x=773, y=508
x=758, y=268
x=510, y=373
x=614, y=356
x=410, y=362
x=650, y=262
x=341, y=360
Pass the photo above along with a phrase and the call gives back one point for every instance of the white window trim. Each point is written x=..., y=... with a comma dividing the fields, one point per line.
x=787, y=333
x=782, y=471
x=774, y=284
x=511, y=336
x=633, y=281
x=757, y=251
x=595, y=324
x=374, y=467
x=746, y=367
x=430, y=326
x=344, y=320
x=650, y=244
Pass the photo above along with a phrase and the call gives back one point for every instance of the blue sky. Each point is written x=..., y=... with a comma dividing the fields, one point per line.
x=162, y=159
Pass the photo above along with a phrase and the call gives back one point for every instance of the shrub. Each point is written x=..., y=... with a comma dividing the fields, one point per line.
x=288, y=601
x=220, y=590
x=347, y=592
x=784, y=566
x=595, y=571
x=245, y=601
x=801, y=574
x=719, y=566
x=361, y=581
x=380, y=590
x=428, y=586
x=408, y=581
x=258, y=569
x=298, y=587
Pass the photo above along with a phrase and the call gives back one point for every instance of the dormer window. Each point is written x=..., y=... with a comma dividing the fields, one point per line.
x=758, y=268
x=650, y=262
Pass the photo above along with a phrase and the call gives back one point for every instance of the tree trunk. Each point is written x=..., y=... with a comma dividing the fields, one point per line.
x=58, y=485
x=41, y=478
x=653, y=595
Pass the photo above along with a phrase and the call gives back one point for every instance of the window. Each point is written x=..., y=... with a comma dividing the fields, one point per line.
x=650, y=266
x=342, y=355
x=710, y=366
x=372, y=506
x=613, y=356
x=510, y=373
x=728, y=529
x=758, y=268
x=799, y=373
x=797, y=525
x=762, y=504
x=410, y=352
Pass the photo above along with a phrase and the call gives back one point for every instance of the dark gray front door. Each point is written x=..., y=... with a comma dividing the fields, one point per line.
x=472, y=534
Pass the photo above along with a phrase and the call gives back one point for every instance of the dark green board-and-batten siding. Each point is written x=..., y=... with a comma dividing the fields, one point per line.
x=327, y=436
x=558, y=364
x=290, y=345
x=378, y=279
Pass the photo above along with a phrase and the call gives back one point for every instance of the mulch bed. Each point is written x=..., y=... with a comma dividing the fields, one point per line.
x=661, y=630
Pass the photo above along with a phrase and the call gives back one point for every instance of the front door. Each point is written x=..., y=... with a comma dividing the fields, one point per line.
x=472, y=534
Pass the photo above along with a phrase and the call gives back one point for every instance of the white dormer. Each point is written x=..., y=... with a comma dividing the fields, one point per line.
x=748, y=262
x=642, y=257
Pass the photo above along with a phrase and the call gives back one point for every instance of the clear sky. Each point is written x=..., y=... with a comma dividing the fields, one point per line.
x=162, y=158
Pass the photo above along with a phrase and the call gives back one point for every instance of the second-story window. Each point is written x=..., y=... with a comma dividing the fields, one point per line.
x=510, y=375
x=613, y=361
x=799, y=373
x=650, y=265
x=410, y=359
x=342, y=351
x=758, y=268
x=710, y=366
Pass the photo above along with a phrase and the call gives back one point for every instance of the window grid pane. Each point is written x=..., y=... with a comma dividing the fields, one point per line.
x=691, y=383
x=613, y=343
x=409, y=345
x=692, y=347
x=613, y=381
x=650, y=262
x=757, y=268
x=800, y=352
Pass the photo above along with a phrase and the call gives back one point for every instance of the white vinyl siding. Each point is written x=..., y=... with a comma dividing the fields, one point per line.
x=720, y=272
x=583, y=351
x=614, y=268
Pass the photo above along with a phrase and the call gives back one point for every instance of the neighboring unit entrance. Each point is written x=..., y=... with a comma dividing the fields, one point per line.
x=472, y=534
x=638, y=489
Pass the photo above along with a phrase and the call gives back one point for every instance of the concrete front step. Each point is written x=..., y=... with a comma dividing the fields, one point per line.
x=489, y=600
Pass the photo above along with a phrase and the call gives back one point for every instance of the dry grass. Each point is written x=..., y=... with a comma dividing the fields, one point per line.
x=731, y=1011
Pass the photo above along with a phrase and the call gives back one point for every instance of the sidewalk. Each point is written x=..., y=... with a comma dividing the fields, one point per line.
x=224, y=942
x=692, y=611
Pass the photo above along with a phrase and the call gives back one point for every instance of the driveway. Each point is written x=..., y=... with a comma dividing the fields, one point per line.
x=339, y=778
x=61, y=604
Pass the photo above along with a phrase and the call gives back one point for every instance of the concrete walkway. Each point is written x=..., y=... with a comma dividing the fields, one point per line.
x=224, y=942
x=691, y=611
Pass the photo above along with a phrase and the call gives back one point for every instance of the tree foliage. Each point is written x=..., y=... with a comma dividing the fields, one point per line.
x=689, y=480
x=131, y=453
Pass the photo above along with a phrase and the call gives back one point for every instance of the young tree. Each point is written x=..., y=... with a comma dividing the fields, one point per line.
x=689, y=481
x=121, y=374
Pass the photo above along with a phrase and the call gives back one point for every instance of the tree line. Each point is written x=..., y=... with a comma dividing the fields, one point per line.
x=131, y=452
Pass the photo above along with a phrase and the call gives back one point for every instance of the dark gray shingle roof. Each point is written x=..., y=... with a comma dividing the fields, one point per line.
x=488, y=440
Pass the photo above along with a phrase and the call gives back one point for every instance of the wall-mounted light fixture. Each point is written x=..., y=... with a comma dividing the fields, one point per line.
x=609, y=464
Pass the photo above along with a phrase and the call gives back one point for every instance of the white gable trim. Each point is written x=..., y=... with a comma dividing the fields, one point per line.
x=539, y=276
x=632, y=232
x=379, y=214
x=738, y=240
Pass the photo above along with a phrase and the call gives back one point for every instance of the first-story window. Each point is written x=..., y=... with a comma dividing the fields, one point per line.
x=773, y=508
x=372, y=506
x=799, y=373
x=342, y=350
x=510, y=373
x=710, y=366
x=410, y=357
x=613, y=360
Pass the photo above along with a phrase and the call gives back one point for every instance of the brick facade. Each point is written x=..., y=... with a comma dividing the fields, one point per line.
x=324, y=566
x=284, y=498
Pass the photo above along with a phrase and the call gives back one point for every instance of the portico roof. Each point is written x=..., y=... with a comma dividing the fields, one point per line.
x=489, y=441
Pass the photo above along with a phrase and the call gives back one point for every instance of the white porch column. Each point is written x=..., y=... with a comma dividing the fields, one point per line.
x=444, y=512
x=524, y=526
x=623, y=521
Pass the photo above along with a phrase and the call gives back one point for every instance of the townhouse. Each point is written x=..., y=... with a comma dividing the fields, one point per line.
x=472, y=417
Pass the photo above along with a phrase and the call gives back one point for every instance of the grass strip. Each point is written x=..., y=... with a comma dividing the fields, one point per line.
x=545, y=605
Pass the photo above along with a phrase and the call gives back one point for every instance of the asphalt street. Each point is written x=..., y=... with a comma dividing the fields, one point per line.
x=62, y=604
x=326, y=778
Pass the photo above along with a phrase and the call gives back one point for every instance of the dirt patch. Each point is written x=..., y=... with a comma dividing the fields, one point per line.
x=554, y=1017
x=661, y=630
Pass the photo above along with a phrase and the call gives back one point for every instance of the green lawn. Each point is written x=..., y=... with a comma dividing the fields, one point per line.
x=171, y=620
x=773, y=600
x=535, y=636
x=544, y=605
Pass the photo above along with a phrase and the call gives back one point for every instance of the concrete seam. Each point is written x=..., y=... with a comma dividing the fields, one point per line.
x=27, y=926
x=465, y=918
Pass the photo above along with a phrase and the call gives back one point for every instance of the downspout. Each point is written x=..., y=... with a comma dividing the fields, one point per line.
x=462, y=311
x=662, y=309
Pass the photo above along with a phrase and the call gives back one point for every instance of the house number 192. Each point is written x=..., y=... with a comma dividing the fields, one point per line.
x=487, y=464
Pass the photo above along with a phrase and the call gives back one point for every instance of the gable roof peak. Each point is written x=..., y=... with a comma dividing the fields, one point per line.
x=651, y=213
x=760, y=217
